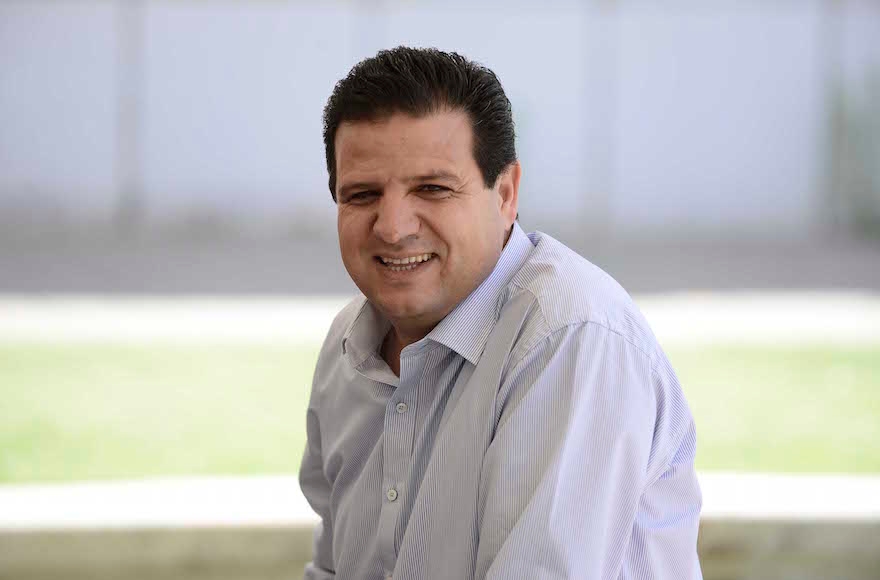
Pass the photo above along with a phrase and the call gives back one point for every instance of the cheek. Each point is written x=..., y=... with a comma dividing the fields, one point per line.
x=349, y=253
x=468, y=257
x=349, y=229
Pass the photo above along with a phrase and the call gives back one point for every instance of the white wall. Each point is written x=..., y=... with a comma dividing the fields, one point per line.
x=631, y=118
x=234, y=94
x=57, y=105
x=719, y=117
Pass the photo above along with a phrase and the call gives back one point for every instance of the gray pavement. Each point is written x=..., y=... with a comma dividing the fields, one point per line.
x=313, y=266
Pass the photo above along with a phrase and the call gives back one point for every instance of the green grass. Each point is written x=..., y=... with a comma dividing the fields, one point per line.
x=789, y=410
x=73, y=412
x=93, y=412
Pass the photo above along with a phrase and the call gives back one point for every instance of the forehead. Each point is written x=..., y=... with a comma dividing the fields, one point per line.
x=444, y=137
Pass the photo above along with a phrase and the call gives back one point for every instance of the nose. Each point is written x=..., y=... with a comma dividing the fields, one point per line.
x=396, y=219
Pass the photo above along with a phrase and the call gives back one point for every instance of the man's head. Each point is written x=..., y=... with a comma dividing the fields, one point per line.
x=420, y=152
x=419, y=82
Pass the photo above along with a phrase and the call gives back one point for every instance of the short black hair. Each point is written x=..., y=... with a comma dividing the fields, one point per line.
x=420, y=81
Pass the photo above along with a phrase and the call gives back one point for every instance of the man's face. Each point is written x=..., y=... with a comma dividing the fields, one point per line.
x=418, y=228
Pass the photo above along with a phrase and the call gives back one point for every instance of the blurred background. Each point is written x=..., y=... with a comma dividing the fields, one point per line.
x=169, y=263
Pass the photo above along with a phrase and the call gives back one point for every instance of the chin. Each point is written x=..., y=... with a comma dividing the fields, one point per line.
x=406, y=310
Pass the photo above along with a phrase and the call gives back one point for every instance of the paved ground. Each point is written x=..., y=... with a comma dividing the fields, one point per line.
x=313, y=266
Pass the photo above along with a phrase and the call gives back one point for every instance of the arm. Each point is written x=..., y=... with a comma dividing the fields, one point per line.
x=316, y=490
x=664, y=536
x=585, y=427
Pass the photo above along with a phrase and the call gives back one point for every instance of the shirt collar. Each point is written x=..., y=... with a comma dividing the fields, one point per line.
x=365, y=334
x=464, y=330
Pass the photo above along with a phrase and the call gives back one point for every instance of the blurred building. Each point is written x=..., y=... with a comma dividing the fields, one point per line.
x=739, y=117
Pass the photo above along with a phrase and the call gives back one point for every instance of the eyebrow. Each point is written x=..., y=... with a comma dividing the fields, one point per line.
x=374, y=186
x=440, y=174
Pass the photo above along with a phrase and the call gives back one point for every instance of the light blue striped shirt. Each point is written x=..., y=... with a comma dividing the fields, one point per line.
x=538, y=431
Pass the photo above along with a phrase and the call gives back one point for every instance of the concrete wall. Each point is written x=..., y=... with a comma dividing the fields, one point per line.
x=730, y=549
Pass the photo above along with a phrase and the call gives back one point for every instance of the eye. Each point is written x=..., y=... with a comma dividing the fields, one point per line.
x=434, y=189
x=360, y=197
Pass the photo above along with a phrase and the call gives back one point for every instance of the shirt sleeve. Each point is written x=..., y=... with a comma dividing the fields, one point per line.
x=590, y=471
x=316, y=490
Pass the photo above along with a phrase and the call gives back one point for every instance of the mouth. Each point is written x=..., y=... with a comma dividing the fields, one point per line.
x=405, y=263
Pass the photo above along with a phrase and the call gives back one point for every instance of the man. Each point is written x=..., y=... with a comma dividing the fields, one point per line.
x=493, y=406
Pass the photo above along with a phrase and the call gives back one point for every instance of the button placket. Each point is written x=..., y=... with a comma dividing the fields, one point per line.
x=397, y=448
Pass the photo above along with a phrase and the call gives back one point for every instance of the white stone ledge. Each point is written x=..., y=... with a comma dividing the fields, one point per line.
x=156, y=503
x=754, y=526
x=277, y=501
x=762, y=496
x=687, y=318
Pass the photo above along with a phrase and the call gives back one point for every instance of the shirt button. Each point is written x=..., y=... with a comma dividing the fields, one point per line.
x=391, y=494
x=401, y=407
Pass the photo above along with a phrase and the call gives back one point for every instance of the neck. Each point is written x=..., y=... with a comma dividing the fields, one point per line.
x=395, y=341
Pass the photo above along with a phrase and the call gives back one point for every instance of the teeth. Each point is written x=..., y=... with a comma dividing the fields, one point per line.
x=402, y=264
x=404, y=261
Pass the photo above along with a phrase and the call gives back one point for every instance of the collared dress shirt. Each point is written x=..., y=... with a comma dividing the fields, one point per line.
x=538, y=431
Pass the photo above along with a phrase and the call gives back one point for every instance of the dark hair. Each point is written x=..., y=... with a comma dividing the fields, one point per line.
x=419, y=81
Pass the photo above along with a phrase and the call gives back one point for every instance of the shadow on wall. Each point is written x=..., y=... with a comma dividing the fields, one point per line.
x=856, y=157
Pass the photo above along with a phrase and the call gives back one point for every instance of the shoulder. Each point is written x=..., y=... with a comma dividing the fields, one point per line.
x=568, y=290
x=579, y=318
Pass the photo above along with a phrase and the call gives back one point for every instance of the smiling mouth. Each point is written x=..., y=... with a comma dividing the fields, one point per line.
x=405, y=264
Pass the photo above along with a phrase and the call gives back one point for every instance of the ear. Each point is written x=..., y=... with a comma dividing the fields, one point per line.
x=508, y=193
